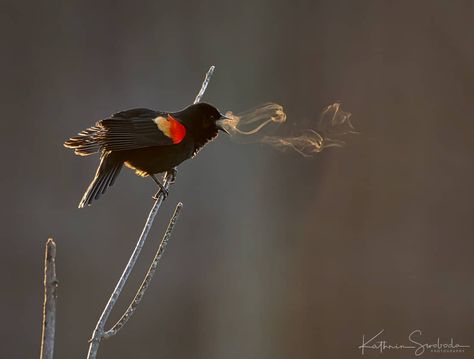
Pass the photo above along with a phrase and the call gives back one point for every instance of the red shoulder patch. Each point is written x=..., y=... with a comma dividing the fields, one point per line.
x=177, y=131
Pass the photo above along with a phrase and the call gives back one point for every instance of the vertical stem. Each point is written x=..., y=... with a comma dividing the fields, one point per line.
x=49, y=306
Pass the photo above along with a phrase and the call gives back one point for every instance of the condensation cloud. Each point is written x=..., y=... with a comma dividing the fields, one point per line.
x=259, y=124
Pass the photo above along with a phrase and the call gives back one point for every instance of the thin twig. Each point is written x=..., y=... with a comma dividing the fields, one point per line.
x=148, y=277
x=99, y=330
x=49, y=306
x=204, y=84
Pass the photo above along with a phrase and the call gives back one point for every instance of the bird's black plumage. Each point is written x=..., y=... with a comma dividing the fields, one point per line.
x=145, y=140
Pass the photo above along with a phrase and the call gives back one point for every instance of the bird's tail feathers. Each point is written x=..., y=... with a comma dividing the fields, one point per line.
x=105, y=176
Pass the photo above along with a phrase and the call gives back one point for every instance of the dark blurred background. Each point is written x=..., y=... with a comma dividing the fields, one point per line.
x=275, y=255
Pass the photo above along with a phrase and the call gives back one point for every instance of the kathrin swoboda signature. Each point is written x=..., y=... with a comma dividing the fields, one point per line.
x=419, y=348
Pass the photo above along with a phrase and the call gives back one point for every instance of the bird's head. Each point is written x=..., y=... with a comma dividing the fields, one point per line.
x=202, y=120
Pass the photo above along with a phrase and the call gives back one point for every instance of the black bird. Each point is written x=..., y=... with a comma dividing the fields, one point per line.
x=147, y=141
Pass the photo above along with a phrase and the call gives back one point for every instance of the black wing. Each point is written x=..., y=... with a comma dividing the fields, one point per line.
x=125, y=130
x=133, y=129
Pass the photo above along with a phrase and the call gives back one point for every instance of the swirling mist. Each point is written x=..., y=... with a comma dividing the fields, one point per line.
x=257, y=126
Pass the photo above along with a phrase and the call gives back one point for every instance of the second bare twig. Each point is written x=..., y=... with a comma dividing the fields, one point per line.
x=149, y=275
x=49, y=307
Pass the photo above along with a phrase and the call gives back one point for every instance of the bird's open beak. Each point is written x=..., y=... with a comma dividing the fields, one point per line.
x=220, y=123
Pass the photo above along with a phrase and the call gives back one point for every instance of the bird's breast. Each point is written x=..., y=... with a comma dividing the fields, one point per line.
x=151, y=160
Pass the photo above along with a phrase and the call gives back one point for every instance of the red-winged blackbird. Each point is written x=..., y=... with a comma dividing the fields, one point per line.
x=147, y=141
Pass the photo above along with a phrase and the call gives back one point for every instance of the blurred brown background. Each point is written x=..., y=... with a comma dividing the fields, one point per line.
x=275, y=255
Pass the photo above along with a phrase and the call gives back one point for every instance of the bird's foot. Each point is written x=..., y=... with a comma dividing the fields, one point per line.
x=162, y=189
x=172, y=174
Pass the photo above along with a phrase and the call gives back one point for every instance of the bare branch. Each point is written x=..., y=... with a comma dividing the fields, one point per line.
x=204, y=84
x=99, y=331
x=49, y=306
x=148, y=277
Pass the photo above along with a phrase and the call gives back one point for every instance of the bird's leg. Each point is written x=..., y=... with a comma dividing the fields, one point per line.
x=161, y=190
